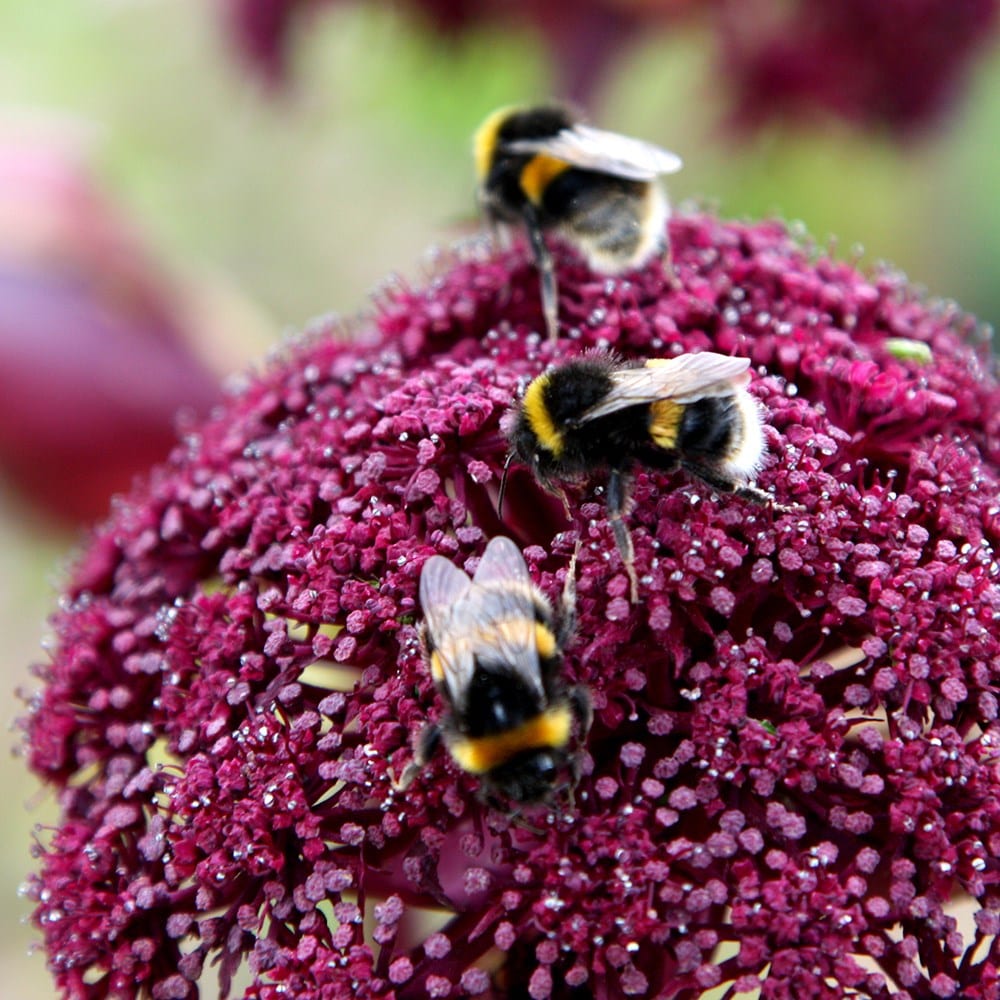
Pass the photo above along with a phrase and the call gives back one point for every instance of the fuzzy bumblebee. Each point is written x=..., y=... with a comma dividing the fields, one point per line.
x=494, y=646
x=543, y=168
x=595, y=413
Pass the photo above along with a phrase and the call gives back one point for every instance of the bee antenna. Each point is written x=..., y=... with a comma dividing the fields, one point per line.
x=503, y=485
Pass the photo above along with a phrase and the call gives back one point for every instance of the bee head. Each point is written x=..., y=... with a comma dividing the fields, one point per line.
x=543, y=468
x=533, y=438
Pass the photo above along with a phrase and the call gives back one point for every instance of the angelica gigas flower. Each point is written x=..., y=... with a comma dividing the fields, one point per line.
x=792, y=772
x=897, y=65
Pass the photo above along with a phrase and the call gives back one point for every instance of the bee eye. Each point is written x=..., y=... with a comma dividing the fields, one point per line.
x=545, y=765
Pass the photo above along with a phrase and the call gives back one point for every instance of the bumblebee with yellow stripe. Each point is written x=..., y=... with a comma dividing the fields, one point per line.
x=594, y=413
x=495, y=648
x=544, y=169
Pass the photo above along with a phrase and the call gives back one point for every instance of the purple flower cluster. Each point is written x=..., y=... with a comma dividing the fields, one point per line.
x=793, y=769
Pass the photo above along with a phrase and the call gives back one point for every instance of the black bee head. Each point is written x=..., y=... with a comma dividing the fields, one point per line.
x=527, y=448
x=541, y=463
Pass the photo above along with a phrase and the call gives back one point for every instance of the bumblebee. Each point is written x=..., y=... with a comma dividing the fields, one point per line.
x=544, y=169
x=593, y=413
x=495, y=647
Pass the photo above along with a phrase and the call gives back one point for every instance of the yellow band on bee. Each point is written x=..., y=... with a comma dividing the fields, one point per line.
x=437, y=667
x=665, y=422
x=538, y=173
x=514, y=632
x=545, y=641
x=481, y=754
x=539, y=419
x=484, y=142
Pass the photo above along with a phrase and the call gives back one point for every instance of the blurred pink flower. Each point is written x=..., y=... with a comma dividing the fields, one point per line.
x=896, y=64
x=94, y=356
x=792, y=769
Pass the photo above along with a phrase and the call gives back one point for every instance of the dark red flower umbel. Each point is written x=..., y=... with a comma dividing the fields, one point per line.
x=792, y=772
x=583, y=38
x=892, y=64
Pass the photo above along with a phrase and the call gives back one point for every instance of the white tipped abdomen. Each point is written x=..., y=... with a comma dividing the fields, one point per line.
x=745, y=461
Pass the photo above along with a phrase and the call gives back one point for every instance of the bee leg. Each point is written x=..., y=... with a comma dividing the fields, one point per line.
x=747, y=491
x=566, y=507
x=489, y=799
x=497, y=233
x=759, y=496
x=582, y=708
x=503, y=485
x=571, y=790
x=583, y=712
x=616, y=508
x=567, y=604
x=517, y=818
x=752, y=493
x=427, y=743
x=667, y=261
x=498, y=804
x=546, y=272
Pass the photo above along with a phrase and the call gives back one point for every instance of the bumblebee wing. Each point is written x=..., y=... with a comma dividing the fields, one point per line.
x=486, y=623
x=502, y=563
x=444, y=591
x=502, y=608
x=442, y=588
x=605, y=152
x=684, y=379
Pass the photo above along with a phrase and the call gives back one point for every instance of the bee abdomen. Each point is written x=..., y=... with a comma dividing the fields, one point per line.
x=548, y=729
x=709, y=427
x=599, y=212
x=608, y=224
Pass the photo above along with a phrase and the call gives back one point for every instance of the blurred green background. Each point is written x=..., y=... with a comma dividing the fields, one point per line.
x=280, y=208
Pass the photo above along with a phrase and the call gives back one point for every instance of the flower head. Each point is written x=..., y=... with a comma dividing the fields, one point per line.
x=792, y=768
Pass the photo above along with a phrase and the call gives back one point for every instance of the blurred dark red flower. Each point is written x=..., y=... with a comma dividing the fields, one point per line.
x=792, y=771
x=583, y=38
x=262, y=30
x=95, y=359
x=894, y=64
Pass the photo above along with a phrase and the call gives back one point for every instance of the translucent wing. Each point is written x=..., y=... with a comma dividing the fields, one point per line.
x=605, y=152
x=502, y=606
x=684, y=379
x=502, y=563
x=487, y=622
x=444, y=589
x=442, y=586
